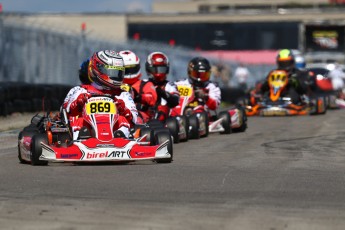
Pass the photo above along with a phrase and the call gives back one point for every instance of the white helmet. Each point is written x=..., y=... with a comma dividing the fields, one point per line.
x=132, y=67
x=106, y=69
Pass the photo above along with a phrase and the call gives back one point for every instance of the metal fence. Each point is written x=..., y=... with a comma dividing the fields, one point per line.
x=39, y=55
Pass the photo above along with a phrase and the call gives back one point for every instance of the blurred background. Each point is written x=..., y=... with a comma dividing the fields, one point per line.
x=44, y=41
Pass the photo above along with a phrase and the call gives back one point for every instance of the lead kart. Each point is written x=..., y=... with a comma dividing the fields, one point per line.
x=49, y=139
x=201, y=121
x=275, y=104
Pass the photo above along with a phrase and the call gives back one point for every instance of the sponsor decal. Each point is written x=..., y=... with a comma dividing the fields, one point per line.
x=142, y=154
x=69, y=155
x=103, y=155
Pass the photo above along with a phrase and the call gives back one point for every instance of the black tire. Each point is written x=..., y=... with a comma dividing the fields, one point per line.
x=20, y=136
x=149, y=132
x=173, y=125
x=28, y=131
x=161, y=136
x=184, y=121
x=243, y=126
x=193, y=127
x=226, y=122
x=205, y=120
x=36, y=148
x=316, y=107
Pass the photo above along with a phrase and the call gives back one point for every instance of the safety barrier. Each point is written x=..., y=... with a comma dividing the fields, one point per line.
x=25, y=97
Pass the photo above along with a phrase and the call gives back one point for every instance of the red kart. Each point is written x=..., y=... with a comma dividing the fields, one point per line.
x=48, y=138
x=201, y=121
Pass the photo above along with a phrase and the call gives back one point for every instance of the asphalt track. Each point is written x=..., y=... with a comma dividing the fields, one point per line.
x=282, y=173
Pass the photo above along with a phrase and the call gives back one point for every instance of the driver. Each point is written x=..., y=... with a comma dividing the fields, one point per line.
x=297, y=87
x=106, y=70
x=157, y=69
x=143, y=91
x=207, y=94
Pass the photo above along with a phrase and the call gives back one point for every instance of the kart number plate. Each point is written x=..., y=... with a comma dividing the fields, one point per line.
x=100, y=106
x=185, y=91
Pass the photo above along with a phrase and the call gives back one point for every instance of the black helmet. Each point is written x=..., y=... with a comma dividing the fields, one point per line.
x=199, y=70
x=285, y=60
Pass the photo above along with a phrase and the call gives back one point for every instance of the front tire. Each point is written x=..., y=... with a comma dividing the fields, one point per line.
x=226, y=122
x=36, y=149
x=160, y=137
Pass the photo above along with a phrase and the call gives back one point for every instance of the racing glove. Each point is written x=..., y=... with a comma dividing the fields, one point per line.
x=79, y=102
x=201, y=94
x=123, y=110
x=172, y=99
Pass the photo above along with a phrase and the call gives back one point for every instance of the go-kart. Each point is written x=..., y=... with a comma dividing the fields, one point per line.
x=275, y=104
x=201, y=122
x=49, y=139
x=321, y=84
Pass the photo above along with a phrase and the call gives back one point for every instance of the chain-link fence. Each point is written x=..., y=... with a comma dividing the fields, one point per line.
x=39, y=55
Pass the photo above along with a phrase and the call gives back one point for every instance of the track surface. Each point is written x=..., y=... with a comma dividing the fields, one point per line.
x=282, y=173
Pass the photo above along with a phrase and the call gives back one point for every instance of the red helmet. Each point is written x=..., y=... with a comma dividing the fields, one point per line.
x=132, y=67
x=106, y=69
x=157, y=66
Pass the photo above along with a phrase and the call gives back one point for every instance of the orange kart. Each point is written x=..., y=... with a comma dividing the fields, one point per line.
x=278, y=104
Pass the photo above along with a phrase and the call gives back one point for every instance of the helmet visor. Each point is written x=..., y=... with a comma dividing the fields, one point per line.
x=115, y=73
x=285, y=64
x=158, y=69
x=132, y=69
x=201, y=75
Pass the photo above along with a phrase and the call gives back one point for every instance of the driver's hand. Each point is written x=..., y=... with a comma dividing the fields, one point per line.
x=202, y=94
x=80, y=101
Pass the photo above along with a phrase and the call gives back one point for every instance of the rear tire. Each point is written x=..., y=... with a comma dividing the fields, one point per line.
x=185, y=123
x=28, y=131
x=193, y=127
x=160, y=137
x=243, y=126
x=173, y=125
x=36, y=148
x=204, y=122
x=20, y=136
x=226, y=122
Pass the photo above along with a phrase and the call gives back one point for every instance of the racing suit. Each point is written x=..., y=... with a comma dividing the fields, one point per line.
x=168, y=97
x=145, y=96
x=77, y=97
x=206, y=98
x=297, y=88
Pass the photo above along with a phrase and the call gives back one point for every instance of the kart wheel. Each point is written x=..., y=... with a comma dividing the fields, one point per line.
x=173, y=125
x=160, y=137
x=28, y=131
x=243, y=126
x=203, y=122
x=20, y=136
x=184, y=121
x=317, y=106
x=36, y=148
x=149, y=133
x=226, y=122
x=193, y=127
